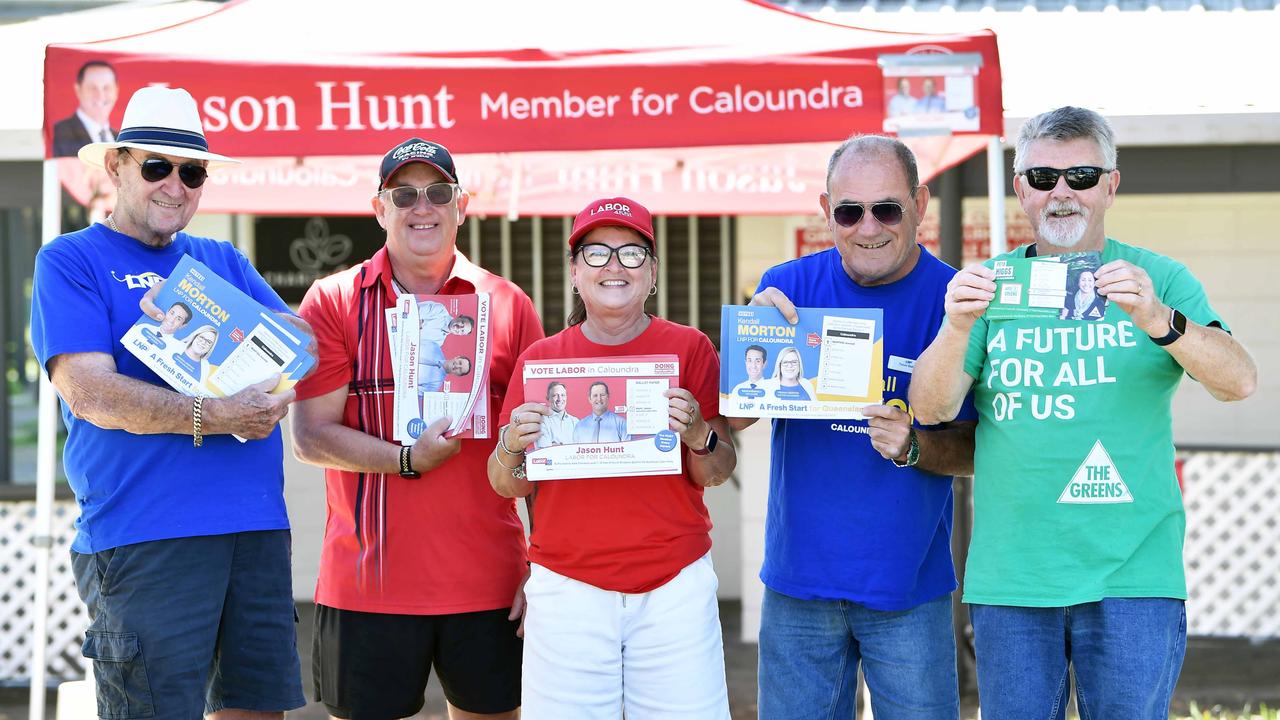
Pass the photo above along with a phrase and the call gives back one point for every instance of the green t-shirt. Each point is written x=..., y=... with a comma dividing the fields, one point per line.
x=1074, y=494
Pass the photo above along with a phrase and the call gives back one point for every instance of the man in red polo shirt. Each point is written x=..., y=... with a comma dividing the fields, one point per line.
x=422, y=562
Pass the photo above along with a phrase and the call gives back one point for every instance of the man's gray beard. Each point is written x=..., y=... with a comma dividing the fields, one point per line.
x=1053, y=231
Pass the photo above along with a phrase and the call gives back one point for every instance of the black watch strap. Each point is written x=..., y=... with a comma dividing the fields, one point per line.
x=1177, y=328
x=712, y=441
x=406, y=463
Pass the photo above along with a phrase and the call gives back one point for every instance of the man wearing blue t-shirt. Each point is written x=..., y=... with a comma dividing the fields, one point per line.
x=857, y=562
x=186, y=575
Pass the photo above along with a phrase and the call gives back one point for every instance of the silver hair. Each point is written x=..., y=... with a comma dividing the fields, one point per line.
x=871, y=144
x=1064, y=124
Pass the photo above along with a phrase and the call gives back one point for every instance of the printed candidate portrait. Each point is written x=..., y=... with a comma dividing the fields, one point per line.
x=755, y=362
x=175, y=318
x=96, y=92
x=557, y=427
x=583, y=410
x=789, y=382
x=1082, y=301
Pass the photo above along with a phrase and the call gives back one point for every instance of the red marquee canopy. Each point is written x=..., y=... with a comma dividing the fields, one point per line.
x=707, y=106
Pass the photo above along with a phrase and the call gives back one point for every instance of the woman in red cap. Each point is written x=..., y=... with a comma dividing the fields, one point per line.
x=621, y=612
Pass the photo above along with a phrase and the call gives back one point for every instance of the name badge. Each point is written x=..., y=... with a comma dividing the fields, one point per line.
x=901, y=364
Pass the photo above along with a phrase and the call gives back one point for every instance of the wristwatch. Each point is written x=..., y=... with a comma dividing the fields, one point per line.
x=913, y=452
x=406, y=463
x=1177, y=328
x=712, y=441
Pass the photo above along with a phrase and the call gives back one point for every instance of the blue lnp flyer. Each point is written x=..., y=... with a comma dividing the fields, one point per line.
x=829, y=365
x=215, y=340
x=1050, y=286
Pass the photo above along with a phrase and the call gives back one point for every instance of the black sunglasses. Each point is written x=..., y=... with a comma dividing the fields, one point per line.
x=848, y=214
x=597, y=255
x=155, y=169
x=1080, y=177
x=406, y=196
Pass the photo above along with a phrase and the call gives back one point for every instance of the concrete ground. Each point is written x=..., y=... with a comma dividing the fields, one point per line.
x=1217, y=672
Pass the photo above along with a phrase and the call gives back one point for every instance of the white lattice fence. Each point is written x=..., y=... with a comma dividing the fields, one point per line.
x=67, y=616
x=1233, y=542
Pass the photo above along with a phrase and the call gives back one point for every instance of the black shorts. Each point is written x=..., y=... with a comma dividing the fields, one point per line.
x=375, y=665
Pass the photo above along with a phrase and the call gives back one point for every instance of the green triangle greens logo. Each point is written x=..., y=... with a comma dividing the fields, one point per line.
x=1097, y=481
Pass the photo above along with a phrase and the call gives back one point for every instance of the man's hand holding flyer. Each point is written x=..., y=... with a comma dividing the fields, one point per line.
x=215, y=340
x=609, y=417
x=829, y=365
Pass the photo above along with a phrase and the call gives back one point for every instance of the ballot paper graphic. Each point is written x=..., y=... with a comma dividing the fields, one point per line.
x=1049, y=286
x=215, y=340
x=829, y=365
x=609, y=417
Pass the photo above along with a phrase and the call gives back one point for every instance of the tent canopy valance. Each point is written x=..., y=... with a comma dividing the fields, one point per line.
x=564, y=76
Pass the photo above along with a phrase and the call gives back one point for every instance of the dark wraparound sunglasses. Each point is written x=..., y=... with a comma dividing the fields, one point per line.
x=406, y=196
x=1080, y=177
x=848, y=214
x=597, y=255
x=155, y=169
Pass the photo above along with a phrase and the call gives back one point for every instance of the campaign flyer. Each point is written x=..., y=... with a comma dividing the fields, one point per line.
x=608, y=417
x=1049, y=286
x=215, y=340
x=443, y=368
x=829, y=365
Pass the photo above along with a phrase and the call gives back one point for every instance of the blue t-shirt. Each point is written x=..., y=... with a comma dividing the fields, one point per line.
x=136, y=488
x=843, y=522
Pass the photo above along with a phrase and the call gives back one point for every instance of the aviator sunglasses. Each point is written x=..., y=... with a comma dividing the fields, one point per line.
x=1080, y=177
x=155, y=169
x=406, y=196
x=848, y=214
x=630, y=256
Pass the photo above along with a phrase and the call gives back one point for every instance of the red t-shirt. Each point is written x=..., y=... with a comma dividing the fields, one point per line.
x=626, y=534
x=442, y=543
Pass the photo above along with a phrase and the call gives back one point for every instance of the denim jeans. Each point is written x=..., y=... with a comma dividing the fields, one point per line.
x=810, y=651
x=1126, y=654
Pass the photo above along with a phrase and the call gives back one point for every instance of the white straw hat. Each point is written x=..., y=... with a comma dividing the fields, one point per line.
x=160, y=120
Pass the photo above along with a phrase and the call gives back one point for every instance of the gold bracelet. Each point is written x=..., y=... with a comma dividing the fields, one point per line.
x=197, y=437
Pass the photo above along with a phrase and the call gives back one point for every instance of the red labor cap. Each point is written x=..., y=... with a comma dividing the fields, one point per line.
x=619, y=211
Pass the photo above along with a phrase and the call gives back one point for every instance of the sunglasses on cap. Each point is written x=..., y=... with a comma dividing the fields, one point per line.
x=406, y=196
x=155, y=169
x=597, y=255
x=1080, y=177
x=848, y=214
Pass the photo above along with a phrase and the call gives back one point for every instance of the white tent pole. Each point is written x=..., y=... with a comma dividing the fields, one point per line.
x=995, y=194
x=46, y=469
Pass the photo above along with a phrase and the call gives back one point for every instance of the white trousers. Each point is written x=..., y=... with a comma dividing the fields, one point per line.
x=591, y=654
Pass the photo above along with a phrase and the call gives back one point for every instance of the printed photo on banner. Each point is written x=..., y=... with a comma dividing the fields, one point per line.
x=829, y=365
x=930, y=93
x=214, y=340
x=1051, y=286
x=442, y=369
x=608, y=417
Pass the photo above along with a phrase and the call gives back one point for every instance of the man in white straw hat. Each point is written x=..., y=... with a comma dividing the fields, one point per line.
x=186, y=576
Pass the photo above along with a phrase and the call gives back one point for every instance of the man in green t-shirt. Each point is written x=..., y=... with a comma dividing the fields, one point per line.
x=1076, y=556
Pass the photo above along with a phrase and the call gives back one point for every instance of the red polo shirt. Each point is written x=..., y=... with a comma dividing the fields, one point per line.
x=442, y=543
